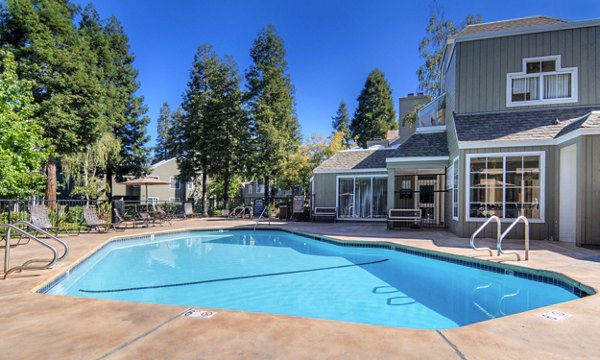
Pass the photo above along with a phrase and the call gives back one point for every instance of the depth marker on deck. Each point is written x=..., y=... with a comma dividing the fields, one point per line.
x=555, y=315
x=202, y=314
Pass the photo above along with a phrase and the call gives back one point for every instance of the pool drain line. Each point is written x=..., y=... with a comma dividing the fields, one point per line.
x=230, y=278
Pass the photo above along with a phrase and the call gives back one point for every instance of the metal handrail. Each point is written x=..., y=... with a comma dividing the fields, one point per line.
x=260, y=216
x=472, y=240
x=499, y=243
x=26, y=265
x=42, y=231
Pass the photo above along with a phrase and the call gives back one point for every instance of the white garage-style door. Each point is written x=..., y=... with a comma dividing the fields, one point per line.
x=568, y=194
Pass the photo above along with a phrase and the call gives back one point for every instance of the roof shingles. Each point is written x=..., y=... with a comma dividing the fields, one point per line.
x=418, y=145
x=517, y=125
x=528, y=22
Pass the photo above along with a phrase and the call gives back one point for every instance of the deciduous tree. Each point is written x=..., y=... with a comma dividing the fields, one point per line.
x=23, y=150
x=62, y=65
x=431, y=48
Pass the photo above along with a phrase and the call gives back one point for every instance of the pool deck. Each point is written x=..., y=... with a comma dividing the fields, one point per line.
x=45, y=326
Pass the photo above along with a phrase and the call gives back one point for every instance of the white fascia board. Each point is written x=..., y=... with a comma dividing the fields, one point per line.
x=576, y=133
x=162, y=162
x=530, y=30
x=430, y=129
x=464, y=145
x=349, y=171
x=416, y=159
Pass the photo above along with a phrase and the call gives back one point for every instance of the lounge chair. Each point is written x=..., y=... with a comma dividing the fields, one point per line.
x=92, y=221
x=121, y=220
x=162, y=215
x=38, y=216
x=238, y=212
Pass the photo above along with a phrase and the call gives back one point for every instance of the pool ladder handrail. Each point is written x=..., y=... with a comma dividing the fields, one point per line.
x=260, y=216
x=26, y=265
x=501, y=237
x=499, y=231
x=46, y=233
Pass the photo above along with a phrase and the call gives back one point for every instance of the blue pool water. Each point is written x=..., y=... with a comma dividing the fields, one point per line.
x=283, y=273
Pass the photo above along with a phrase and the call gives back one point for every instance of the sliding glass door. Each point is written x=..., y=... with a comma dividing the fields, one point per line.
x=362, y=197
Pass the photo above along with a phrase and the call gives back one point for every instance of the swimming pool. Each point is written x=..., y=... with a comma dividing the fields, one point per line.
x=280, y=272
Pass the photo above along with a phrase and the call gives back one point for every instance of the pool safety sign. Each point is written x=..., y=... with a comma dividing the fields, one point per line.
x=555, y=315
x=202, y=314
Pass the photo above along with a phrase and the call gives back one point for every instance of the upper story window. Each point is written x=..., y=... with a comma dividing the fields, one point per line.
x=542, y=81
x=174, y=183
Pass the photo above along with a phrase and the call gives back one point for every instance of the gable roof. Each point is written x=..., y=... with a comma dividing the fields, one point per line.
x=519, y=125
x=588, y=121
x=162, y=162
x=511, y=24
x=356, y=159
x=418, y=145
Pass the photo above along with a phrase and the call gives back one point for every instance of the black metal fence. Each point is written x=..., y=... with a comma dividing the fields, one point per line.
x=66, y=214
x=425, y=192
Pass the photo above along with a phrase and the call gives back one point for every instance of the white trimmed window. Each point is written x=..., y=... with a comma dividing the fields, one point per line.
x=454, y=181
x=506, y=185
x=174, y=199
x=152, y=200
x=250, y=189
x=174, y=183
x=541, y=81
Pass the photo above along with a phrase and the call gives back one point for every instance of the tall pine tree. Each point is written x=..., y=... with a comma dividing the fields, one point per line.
x=129, y=111
x=228, y=138
x=341, y=123
x=164, y=124
x=192, y=131
x=375, y=114
x=271, y=104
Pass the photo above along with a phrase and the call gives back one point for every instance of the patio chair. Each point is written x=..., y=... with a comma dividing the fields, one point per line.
x=38, y=216
x=162, y=215
x=121, y=220
x=92, y=221
x=188, y=210
x=238, y=212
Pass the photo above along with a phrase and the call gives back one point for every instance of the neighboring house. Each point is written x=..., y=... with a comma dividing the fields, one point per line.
x=176, y=191
x=252, y=190
x=516, y=131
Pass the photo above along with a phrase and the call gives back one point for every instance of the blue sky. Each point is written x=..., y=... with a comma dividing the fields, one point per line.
x=331, y=45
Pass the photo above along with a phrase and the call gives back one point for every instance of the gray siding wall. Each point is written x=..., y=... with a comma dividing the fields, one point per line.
x=588, y=206
x=483, y=65
x=162, y=192
x=538, y=231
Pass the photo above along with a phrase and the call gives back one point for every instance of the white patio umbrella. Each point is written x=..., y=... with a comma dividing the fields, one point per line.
x=146, y=181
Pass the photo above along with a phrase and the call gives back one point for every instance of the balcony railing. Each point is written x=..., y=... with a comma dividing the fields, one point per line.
x=433, y=113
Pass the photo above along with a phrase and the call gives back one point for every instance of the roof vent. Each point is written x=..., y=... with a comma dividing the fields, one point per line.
x=420, y=93
x=411, y=94
x=556, y=121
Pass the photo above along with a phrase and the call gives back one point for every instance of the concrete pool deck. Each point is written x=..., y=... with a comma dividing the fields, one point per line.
x=45, y=326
